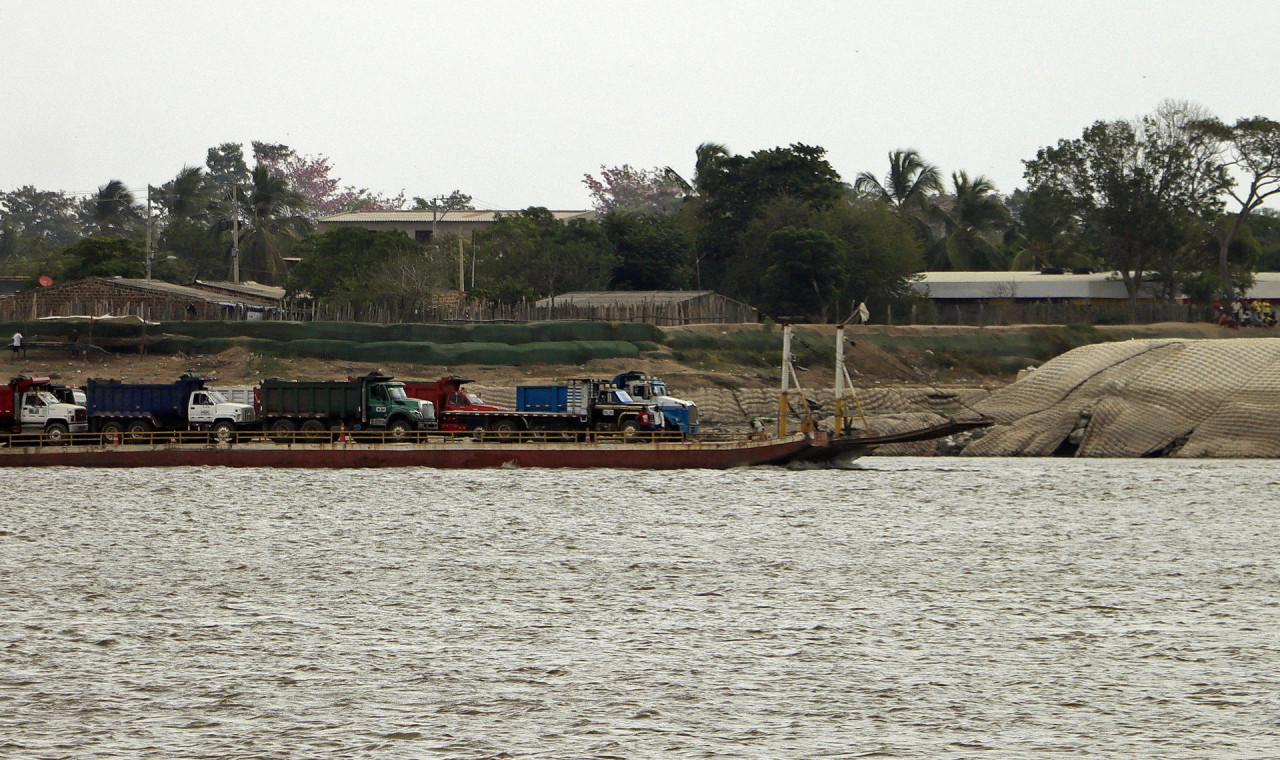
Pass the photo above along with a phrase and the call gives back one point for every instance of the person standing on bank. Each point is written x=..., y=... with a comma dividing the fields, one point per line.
x=17, y=344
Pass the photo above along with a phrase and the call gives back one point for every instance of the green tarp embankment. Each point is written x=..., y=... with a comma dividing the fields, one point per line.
x=535, y=343
x=363, y=332
x=410, y=352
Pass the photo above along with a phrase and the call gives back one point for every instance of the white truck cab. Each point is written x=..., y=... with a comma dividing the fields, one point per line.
x=42, y=412
x=208, y=407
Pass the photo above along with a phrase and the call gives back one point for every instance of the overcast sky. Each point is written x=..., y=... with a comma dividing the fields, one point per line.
x=513, y=102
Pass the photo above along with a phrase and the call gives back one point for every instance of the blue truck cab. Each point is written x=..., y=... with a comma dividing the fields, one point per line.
x=679, y=414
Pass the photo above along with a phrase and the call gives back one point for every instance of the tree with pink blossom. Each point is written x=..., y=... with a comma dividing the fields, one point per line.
x=625, y=188
x=312, y=176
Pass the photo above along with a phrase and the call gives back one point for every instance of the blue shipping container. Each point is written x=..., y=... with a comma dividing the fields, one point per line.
x=542, y=398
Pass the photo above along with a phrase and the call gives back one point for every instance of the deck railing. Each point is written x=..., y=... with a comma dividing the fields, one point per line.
x=203, y=438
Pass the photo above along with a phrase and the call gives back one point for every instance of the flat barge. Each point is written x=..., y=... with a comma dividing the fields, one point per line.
x=434, y=451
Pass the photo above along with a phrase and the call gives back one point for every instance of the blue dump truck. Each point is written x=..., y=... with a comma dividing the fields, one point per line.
x=680, y=415
x=585, y=403
x=136, y=409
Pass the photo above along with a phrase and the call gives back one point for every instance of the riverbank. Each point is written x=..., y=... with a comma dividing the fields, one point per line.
x=701, y=356
x=904, y=374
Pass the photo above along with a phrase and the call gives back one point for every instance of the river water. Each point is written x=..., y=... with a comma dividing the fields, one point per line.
x=914, y=608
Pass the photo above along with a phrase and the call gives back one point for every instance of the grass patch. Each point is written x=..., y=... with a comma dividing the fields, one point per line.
x=267, y=364
x=750, y=348
x=727, y=382
x=992, y=353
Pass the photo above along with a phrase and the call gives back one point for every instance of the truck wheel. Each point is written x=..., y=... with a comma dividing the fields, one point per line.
x=57, y=434
x=399, y=431
x=477, y=432
x=313, y=430
x=282, y=431
x=224, y=432
x=506, y=430
x=138, y=431
x=112, y=432
x=629, y=428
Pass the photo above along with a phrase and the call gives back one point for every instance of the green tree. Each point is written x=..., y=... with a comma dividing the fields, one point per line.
x=732, y=191
x=276, y=220
x=227, y=180
x=186, y=196
x=114, y=212
x=103, y=257
x=908, y=188
x=339, y=266
x=974, y=220
x=189, y=227
x=196, y=244
x=227, y=168
x=28, y=256
x=55, y=217
x=653, y=252
x=1043, y=233
x=455, y=201
x=1128, y=188
x=908, y=184
x=1264, y=228
x=549, y=257
x=1250, y=148
x=807, y=274
x=883, y=255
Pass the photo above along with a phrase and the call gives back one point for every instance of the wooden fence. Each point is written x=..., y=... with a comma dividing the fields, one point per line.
x=666, y=313
x=981, y=313
x=657, y=313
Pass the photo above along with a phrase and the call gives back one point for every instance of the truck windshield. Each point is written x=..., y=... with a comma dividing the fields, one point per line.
x=47, y=398
x=472, y=399
x=659, y=389
x=623, y=397
x=216, y=398
x=396, y=393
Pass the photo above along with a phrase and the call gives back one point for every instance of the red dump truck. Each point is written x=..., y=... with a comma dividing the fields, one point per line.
x=27, y=405
x=581, y=404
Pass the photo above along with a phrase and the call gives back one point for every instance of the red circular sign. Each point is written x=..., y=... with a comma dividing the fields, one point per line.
x=46, y=280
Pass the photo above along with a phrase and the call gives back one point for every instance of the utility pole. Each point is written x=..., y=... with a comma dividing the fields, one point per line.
x=462, y=269
x=149, y=255
x=235, y=235
x=435, y=217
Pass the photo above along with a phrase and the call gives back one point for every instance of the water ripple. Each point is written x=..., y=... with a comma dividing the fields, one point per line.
x=910, y=609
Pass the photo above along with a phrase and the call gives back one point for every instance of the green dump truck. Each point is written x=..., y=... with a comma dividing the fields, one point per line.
x=370, y=403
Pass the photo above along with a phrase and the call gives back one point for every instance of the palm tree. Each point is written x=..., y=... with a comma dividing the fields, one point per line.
x=973, y=220
x=1042, y=232
x=186, y=196
x=113, y=210
x=276, y=220
x=908, y=183
x=709, y=156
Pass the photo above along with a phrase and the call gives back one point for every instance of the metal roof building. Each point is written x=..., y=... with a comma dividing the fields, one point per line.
x=1014, y=286
x=253, y=290
x=149, y=299
x=1034, y=286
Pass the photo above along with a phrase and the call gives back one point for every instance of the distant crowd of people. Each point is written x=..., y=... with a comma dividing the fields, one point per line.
x=1255, y=313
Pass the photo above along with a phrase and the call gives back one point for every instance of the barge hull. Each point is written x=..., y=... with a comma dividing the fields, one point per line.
x=452, y=456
